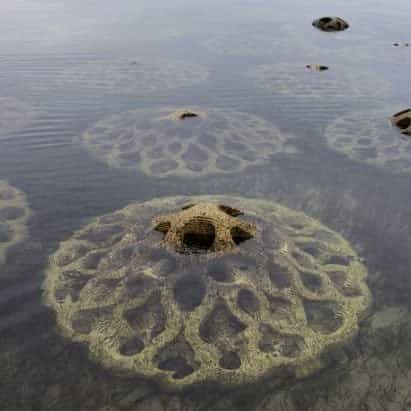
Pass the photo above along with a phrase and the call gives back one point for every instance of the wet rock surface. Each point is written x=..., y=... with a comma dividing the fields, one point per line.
x=330, y=24
x=203, y=301
x=333, y=85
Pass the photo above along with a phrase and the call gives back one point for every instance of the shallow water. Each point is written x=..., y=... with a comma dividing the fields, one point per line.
x=47, y=49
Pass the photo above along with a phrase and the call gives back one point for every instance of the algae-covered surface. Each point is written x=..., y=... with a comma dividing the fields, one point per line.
x=191, y=218
x=217, y=299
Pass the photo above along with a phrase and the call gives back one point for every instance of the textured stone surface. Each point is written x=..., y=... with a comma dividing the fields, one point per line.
x=188, y=290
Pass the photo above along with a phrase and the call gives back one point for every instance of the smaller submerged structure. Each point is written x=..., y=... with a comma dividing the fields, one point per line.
x=185, y=142
x=332, y=85
x=402, y=120
x=209, y=289
x=373, y=137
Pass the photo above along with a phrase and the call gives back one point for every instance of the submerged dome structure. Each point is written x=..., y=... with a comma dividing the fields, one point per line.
x=14, y=114
x=191, y=290
x=135, y=75
x=371, y=137
x=187, y=143
x=327, y=85
x=14, y=213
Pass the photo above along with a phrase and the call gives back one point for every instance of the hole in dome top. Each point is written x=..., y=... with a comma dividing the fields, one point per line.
x=198, y=235
x=186, y=207
x=163, y=227
x=229, y=210
x=325, y=20
x=240, y=235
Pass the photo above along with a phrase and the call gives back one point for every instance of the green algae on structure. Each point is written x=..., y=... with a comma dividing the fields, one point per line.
x=14, y=115
x=208, y=289
x=168, y=142
x=14, y=213
x=371, y=138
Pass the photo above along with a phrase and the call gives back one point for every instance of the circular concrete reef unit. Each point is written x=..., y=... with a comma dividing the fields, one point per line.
x=330, y=24
x=14, y=115
x=186, y=143
x=124, y=76
x=371, y=137
x=319, y=84
x=210, y=289
x=14, y=213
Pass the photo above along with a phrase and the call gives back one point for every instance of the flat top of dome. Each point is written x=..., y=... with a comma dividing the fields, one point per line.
x=186, y=142
x=190, y=290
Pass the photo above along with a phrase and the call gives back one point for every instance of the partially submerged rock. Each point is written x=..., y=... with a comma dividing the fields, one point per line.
x=185, y=142
x=317, y=67
x=14, y=213
x=370, y=137
x=191, y=290
x=402, y=120
x=187, y=114
x=330, y=24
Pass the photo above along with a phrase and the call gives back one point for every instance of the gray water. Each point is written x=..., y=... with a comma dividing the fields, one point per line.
x=66, y=186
